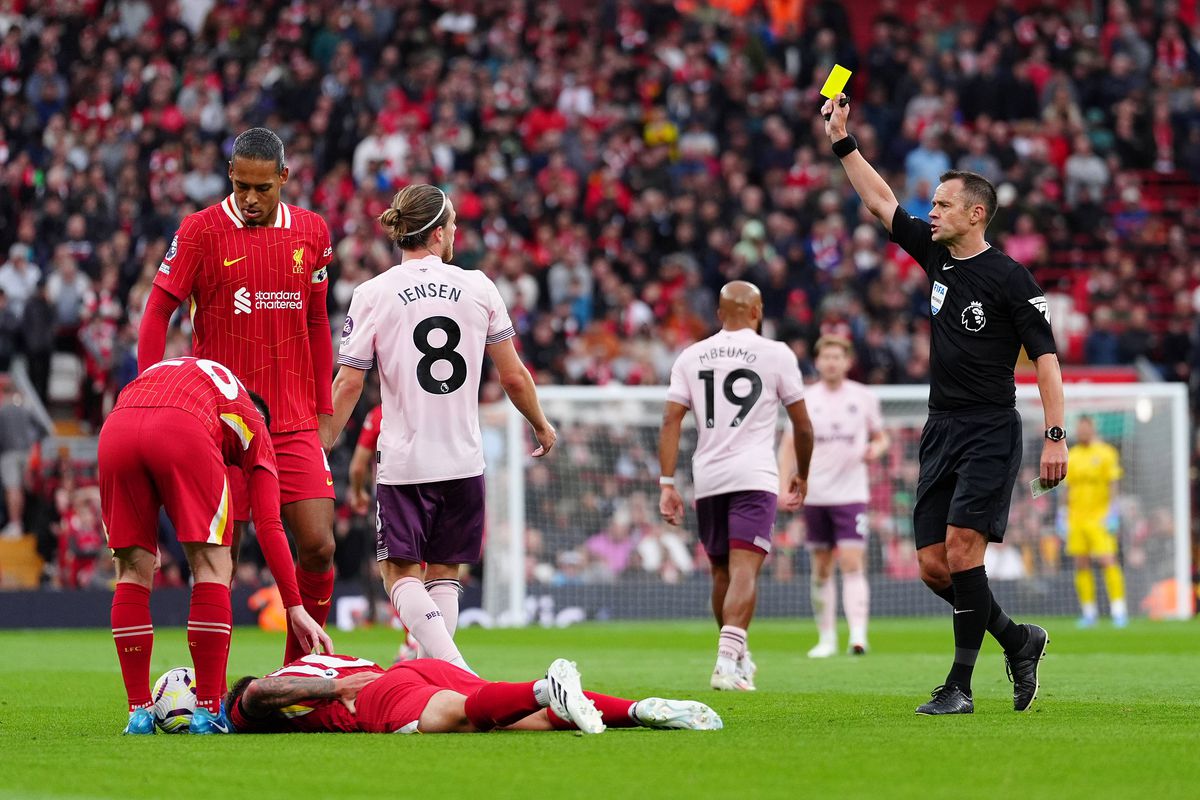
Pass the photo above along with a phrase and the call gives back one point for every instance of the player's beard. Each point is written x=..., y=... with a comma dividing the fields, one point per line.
x=447, y=251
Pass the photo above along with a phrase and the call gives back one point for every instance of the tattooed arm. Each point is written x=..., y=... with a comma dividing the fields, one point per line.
x=265, y=695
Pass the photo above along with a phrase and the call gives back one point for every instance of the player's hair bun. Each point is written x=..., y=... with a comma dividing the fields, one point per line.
x=416, y=212
x=393, y=220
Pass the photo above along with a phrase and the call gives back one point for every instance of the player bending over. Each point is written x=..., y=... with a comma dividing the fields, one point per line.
x=735, y=383
x=254, y=272
x=848, y=432
x=342, y=694
x=168, y=442
x=429, y=324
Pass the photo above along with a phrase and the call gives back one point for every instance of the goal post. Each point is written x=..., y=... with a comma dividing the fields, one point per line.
x=577, y=535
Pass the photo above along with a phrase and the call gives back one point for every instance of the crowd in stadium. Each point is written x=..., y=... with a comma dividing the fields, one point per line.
x=609, y=184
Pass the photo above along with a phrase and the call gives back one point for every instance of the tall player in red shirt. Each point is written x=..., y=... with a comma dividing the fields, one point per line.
x=253, y=271
x=343, y=694
x=168, y=442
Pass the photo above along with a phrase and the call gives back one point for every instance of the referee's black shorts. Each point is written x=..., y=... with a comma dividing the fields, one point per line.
x=969, y=464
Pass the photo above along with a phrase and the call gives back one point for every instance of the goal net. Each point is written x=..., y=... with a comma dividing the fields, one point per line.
x=578, y=535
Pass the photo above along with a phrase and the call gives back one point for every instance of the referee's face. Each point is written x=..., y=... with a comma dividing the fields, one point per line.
x=950, y=218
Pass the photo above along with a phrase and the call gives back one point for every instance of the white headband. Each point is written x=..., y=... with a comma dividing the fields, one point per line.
x=436, y=216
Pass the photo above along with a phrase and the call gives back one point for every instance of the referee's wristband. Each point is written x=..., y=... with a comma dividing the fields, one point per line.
x=665, y=481
x=844, y=147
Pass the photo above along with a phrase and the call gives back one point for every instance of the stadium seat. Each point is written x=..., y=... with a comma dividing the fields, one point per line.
x=20, y=564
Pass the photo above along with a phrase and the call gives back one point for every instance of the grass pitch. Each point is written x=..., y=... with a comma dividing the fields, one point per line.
x=1116, y=717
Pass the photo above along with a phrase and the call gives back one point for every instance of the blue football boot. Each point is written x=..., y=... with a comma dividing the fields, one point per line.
x=141, y=723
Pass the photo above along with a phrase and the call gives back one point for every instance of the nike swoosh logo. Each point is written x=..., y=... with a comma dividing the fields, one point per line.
x=324, y=602
x=329, y=481
x=964, y=611
x=231, y=262
x=946, y=268
x=223, y=728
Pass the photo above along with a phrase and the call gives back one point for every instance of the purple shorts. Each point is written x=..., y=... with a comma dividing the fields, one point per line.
x=439, y=523
x=836, y=526
x=742, y=520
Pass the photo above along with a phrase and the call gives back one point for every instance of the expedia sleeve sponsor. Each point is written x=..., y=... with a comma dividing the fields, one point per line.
x=1031, y=313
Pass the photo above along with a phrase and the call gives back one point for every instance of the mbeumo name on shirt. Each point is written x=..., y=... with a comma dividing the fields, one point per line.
x=729, y=352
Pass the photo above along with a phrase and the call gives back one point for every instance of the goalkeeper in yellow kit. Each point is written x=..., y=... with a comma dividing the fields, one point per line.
x=1095, y=470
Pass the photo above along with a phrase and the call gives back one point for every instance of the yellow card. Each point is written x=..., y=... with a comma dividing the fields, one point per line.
x=836, y=82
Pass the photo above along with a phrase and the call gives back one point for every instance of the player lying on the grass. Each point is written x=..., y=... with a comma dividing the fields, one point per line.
x=168, y=442
x=343, y=694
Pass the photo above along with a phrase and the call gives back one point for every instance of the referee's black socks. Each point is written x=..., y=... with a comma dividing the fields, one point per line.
x=972, y=610
x=1011, y=636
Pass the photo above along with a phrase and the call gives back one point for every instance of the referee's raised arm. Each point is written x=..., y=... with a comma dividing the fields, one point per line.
x=876, y=195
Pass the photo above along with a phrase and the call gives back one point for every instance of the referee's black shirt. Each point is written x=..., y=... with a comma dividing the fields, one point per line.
x=984, y=308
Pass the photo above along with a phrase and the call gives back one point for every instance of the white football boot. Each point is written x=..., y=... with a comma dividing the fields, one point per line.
x=658, y=712
x=824, y=649
x=730, y=680
x=567, y=699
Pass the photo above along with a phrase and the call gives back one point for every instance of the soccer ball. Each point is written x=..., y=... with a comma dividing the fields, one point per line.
x=175, y=700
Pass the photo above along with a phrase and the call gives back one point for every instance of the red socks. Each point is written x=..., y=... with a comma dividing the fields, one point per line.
x=498, y=705
x=316, y=590
x=133, y=635
x=209, y=624
x=615, y=712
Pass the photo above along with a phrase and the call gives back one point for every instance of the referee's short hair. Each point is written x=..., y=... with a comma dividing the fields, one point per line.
x=834, y=340
x=977, y=190
x=259, y=144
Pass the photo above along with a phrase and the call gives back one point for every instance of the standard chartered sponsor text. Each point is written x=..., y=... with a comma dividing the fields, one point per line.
x=273, y=301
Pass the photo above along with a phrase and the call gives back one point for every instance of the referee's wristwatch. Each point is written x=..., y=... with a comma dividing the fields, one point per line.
x=1055, y=433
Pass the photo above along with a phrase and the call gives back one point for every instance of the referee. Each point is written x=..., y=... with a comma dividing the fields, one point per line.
x=985, y=307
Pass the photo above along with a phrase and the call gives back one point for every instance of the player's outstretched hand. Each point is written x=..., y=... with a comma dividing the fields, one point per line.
x=670, y=505
x=546, y=441
x=348, y=688
x=310, y=634
x=836, y=114
x=1054, y=463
